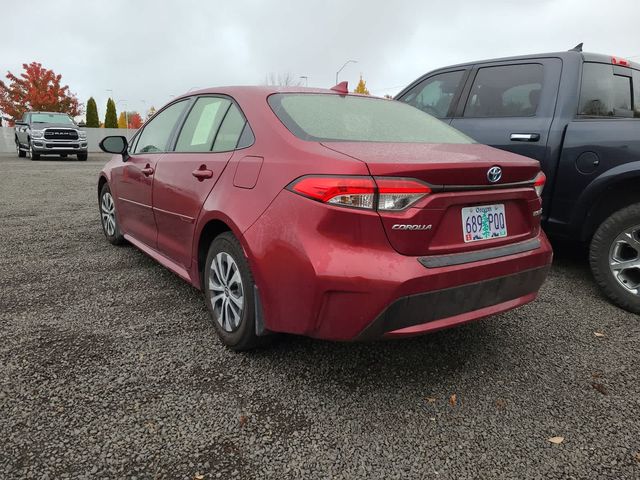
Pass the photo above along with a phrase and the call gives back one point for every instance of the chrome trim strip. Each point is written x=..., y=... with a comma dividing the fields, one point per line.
x=184, y=218
x=135, y=203
x=436, y=261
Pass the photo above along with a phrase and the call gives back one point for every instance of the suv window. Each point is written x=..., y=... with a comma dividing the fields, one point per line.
x=155, y=136
x=435, y=94
x=506, y=91
x=201, y=126
x=604, y=94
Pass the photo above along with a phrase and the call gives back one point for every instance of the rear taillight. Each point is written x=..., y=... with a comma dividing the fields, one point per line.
x=385, y=193
x=538, y=183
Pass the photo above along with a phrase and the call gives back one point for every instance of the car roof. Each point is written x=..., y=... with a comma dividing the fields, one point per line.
x=586, y=56
x=264, y=91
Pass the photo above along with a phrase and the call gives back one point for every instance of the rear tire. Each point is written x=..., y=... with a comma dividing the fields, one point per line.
x=21, y=153
x=108, y=217
x=228, y=288
x=83, y=157
x=614, y=249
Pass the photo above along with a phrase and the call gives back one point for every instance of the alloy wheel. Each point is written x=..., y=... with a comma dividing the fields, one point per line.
x=227, y=292
x=624, y=259
x=108, y=211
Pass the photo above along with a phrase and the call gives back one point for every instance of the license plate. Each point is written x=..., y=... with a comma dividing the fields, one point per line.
x=483, y=222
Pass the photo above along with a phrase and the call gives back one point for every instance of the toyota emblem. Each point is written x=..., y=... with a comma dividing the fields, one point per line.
x=494, y=174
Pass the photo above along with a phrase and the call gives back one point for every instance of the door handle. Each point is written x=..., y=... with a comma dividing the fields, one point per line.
x=202, y=173
x=148, y=170
x=525, y=137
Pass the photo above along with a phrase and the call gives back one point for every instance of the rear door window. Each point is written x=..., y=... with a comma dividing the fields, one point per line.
x=230, y=131
x=604, y=94
x=202, y=124
x=506, y=91
x=435, y=94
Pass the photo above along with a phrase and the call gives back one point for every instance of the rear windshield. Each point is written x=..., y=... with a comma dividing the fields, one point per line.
x=346, y=118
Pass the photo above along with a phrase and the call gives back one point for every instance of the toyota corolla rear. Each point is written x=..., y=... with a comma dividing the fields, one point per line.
x=424, y=230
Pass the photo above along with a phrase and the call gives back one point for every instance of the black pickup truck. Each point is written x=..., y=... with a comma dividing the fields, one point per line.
x=579, y=115
x=49, y=133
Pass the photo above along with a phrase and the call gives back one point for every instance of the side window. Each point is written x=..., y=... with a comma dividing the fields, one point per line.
x=230, y=131
x=506, y=91
x=435, y=94
x=202, y=124
x=604, y=94
x=636, y=94
x=156, y=133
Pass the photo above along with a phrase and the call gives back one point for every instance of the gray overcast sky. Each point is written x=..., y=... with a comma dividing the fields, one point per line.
x=149, y=50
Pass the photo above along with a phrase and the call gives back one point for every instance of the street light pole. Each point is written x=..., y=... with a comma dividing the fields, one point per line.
x=306, y=80
x=342, y=68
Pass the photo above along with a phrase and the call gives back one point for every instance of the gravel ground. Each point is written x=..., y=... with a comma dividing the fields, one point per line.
x=110, y=369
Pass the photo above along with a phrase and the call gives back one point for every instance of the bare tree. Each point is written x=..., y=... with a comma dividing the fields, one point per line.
x=282, y=80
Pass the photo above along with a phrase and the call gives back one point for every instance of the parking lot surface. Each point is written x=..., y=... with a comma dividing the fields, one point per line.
x=109, y=368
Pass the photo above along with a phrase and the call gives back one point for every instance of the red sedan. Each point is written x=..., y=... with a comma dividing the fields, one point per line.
x=327, y=214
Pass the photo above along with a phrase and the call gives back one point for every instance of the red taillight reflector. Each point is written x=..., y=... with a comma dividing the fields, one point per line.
x=539, y=182
x=401, y=185
x=346, y=191
x=620, y=61
x=393, y=194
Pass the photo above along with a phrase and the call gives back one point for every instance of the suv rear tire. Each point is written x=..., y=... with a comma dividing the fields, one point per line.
x=614, y=256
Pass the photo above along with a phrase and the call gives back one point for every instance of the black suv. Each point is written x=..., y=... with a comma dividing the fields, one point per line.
x=49, y=133
x=579, y=115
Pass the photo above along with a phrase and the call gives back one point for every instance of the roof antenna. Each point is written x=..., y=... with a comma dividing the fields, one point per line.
x=577, y=48
x=342, y=88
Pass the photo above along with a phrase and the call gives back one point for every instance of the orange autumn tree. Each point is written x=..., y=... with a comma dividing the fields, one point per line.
x=37, y=89
x=135, y=120
x=361, y=88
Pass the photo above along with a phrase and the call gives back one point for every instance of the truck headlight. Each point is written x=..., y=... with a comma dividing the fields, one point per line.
x=82, y=135
x=37, y=133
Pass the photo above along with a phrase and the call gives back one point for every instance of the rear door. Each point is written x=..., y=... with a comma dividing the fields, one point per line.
x=605, y=133
x=133, y=180
x=510, y=105
x=437, y=94
x=186, y=175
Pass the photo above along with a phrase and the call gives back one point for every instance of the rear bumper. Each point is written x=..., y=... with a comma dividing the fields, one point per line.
x=430, y=311
x=327, y=273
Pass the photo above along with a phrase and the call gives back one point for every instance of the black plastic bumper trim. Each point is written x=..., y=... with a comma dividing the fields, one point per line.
x=449, y=302
x=467, y=257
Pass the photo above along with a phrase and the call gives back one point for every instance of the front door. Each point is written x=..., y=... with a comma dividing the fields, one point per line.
x=510, y=106
x=134, y=179
x=186, y=176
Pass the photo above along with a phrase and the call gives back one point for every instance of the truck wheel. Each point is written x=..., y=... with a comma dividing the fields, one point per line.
x=82, y=157
x=21, y=153
x=32, y=154
x=615, y=257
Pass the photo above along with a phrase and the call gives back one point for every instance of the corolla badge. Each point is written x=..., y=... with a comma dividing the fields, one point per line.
x=494, y=174
x=406, y=226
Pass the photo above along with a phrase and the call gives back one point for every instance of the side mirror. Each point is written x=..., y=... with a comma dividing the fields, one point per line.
x=114, y=144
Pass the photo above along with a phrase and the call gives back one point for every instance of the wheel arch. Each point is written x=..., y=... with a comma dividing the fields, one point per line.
x=608, y=199
x=101, y=182
x=210, y=229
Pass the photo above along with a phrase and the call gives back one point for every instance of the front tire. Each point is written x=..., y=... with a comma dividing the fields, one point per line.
x=229, y=293
x=108, y=217
x=83, y=157
x=615, y=257
x=33, y=155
